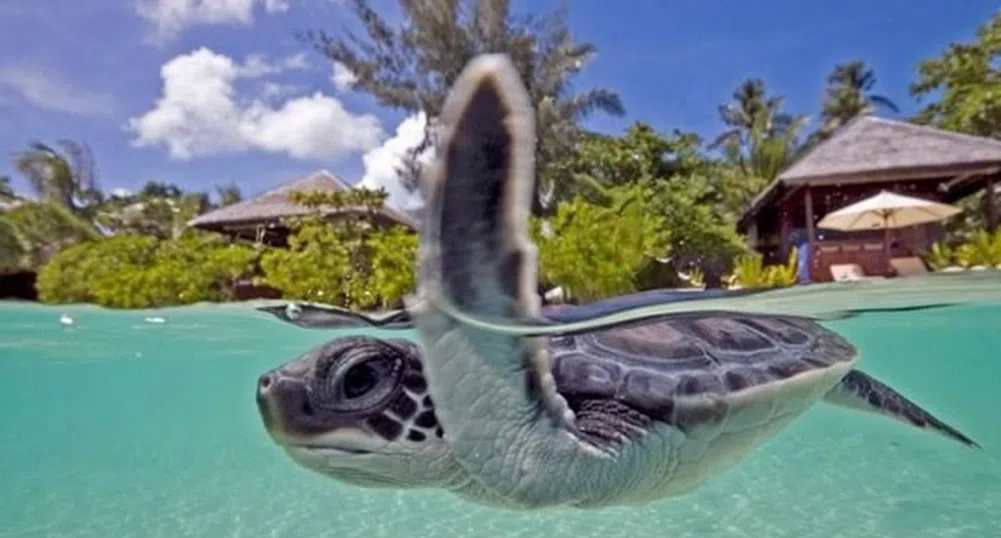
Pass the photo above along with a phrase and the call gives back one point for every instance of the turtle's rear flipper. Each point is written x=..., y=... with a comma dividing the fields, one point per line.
x=863, y=392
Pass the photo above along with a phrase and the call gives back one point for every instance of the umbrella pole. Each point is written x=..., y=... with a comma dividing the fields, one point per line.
x=886, y=245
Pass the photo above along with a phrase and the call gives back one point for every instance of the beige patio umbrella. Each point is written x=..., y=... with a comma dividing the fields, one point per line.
x=886, y=211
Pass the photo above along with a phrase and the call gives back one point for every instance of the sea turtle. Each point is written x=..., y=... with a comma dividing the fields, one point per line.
x=611, y=413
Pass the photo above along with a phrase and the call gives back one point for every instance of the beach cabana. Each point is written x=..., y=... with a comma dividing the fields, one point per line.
x=864, y=157
x=261, y=217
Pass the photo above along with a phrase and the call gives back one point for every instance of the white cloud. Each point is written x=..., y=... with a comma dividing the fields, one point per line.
x=171, y=17
x=257, y=65
x=277, y=90
x=342, y=77
x=201, y=113
x=48, y=90
x=382, y=163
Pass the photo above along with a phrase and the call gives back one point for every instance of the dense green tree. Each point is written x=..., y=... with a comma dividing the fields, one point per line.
x=690, y=200
x=849, y=94
x=961, y=91
x=640, y=155
x=350, y=261
x=595, y=251
x=413, y=66
x=700, y=236
x=964, y=83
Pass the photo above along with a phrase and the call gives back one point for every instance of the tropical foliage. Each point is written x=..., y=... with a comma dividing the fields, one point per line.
x=595, y=251
x=751, y=272
x=137, y=271
x=849, y=94
x=965, y=83
x=940, y=256
x=69, y=206
x=413, y=65
x=982, y=249
x=349, y=262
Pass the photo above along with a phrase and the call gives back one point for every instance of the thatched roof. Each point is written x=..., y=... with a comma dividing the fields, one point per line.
x=870, y=149
x=274, y=204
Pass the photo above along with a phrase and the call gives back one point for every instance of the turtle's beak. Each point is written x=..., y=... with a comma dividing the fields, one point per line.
x=281, y=402
x=269, y=396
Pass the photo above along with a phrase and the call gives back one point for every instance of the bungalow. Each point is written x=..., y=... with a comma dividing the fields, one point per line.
x=865, y=156
x=261, y=217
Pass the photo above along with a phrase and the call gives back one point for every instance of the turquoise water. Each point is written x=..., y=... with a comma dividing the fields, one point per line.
x=122, y=428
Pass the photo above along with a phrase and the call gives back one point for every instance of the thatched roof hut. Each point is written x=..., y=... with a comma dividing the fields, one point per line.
x=865, y=156
x=261, y=216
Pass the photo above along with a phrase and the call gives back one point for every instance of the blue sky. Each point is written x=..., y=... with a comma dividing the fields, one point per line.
x=205, y=92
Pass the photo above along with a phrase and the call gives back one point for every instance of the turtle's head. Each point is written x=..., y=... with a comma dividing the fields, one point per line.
x=357, y=409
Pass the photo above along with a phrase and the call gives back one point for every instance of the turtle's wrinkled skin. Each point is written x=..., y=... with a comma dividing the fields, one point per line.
x=612, y=413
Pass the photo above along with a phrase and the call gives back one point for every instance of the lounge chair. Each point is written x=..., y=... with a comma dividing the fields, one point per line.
x=850, y=272
x=909, y=266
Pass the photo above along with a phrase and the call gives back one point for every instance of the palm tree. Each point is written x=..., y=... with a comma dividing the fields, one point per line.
x=229, y=194
x=67, y=179
x=849, y=94
x=762, y=140
x=752, y=111
x=768, y=154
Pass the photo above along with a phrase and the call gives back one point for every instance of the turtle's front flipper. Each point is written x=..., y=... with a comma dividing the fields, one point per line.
x=863, y=392
x=494, y=393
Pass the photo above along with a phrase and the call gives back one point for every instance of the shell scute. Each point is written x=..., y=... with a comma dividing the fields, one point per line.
x=648, y=390
x=643, y=340
x=783, y=330
x=587, y=375
x=686, y=369
x=728, y=335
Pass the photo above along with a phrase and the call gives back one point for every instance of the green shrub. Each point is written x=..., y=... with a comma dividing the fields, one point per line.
x=984, y=248
x=940, y=256
x=596, y=251
x=350, y=262
x=134, y=271
x=750, y=271
x=325, y=263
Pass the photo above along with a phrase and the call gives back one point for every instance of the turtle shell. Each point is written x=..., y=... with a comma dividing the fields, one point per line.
x=691, y=369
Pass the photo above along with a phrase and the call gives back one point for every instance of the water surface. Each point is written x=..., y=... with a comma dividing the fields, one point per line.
x=122, y=428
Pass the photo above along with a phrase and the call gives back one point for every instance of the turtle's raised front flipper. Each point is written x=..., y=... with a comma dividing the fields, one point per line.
x=494, y=393
x=478, y=257
x=863, y=392
x=333, y=317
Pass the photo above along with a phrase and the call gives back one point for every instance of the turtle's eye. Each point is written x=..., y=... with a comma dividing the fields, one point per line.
x=362, y=379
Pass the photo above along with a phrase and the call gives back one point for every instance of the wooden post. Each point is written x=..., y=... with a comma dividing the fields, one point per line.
x=990, y=211
x=785, y=227
x=810, y=233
